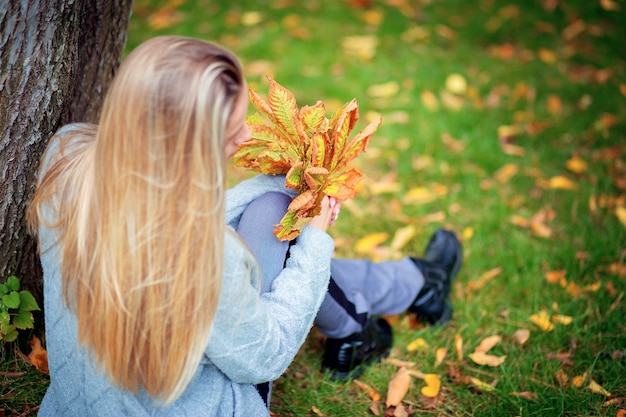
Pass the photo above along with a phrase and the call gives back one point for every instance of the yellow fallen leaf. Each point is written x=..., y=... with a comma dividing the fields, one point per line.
x=547, y=56
x=504, y=174
x=574, y=289
x=514, y=150
x=620, y=212
x=577, y=165
x=561, y=319
x=456, y=84
x=373, y=394
x=402, y=237
x=429, y=100
x=251, y=18
x=433, y=385
x=385, y=90
x=554, y=104
x=609, y=5
x=579, y=380
x=440, y=355
x=622, y=89
x=562, y=183
x=483, y=386
x=484, y=278
x=598, y=389
x=593, y=287
x=458, y=346
x=364, y=47
x=417, y=344
x=451, y=101
x=542, y=320
x=507, y=132
x=468, y=232
x=481, y=358
x=366, y=244
x=487, y=343
x=519, y=221
x=521, y=336
x=540, y=229
x=398, y=387
x=454, y=145
x=555, y=277
x=399, y=363
x=419, y=195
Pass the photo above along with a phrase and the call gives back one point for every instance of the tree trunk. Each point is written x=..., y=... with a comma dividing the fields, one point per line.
x=57, y=58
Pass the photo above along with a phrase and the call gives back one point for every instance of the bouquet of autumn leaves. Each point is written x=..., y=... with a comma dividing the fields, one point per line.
x=313, y=152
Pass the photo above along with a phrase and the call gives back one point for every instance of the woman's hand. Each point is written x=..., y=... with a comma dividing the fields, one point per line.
x=328, y=215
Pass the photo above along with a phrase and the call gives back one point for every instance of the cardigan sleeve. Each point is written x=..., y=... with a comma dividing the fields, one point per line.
x=255, y=337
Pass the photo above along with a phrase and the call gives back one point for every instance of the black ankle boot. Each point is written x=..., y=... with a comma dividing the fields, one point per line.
x=346, y=358
x=441, y=262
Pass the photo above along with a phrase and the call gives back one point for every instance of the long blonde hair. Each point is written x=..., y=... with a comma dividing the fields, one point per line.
x=139, y=208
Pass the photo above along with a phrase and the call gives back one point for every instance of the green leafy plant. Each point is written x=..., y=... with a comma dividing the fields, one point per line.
x=16, y=309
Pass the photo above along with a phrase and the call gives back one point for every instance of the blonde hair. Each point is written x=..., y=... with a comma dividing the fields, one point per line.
x=139, y=208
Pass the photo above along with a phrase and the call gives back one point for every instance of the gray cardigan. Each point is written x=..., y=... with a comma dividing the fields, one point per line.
x=253, y=338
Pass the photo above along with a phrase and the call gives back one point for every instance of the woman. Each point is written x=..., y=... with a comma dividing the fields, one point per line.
x=152, y=299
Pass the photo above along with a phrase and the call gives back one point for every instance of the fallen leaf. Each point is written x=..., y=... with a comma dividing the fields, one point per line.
x=484, y=278
x=525, y=394
x=547, y=56
x=458, y=346
x=417, y=344
x=620, y=213
x=366, y=244
x=316, y=411
x=364, y=47
x=481, y=358
x=561, y=319
x=563, y=357
x=556, y=277
x=577, y=165
x=388, y=89
x=561, y=378
x=521, y=336
x=562, y=183
x=38, y=355
x=456, y=84
x=398, y=387
x=403, y=236
x=554, y=104
x=598, y=389
x=399, y=363
x=455, y=146
x=483, y=386
x=400, y=411
x=540, y=229
x=487, y=343
x=451, y=101
x=609, y=5
x=579, y=380
x=429, y=100
x=373, y=394
x=433, y=385
x=440, y=355
x=504, y=174
x=542, y=320
x=419, y=195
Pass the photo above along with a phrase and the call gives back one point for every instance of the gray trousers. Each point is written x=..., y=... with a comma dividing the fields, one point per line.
x=358, y=288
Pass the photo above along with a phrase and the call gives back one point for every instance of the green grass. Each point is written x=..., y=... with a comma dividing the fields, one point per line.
x=420, y=43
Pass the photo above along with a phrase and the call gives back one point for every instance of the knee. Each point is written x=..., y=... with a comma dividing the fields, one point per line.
x=271, y=205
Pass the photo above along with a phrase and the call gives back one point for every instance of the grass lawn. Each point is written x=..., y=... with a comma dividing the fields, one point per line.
x=504, y=121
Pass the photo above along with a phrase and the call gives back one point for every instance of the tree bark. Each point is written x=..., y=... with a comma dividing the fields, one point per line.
x=57, y=58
